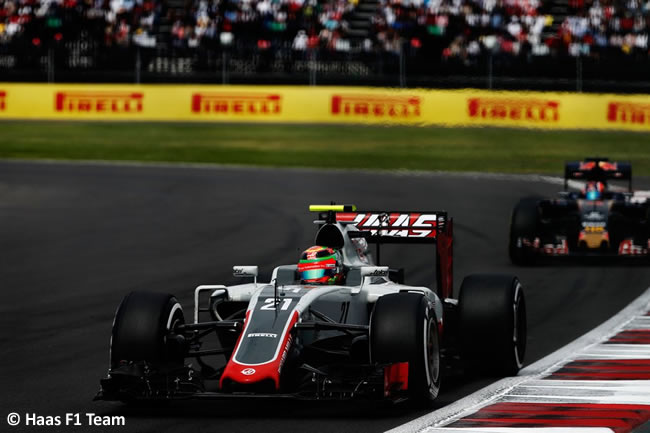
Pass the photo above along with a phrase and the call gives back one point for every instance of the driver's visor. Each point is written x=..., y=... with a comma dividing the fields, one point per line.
x=593, y=195
x=313, y=274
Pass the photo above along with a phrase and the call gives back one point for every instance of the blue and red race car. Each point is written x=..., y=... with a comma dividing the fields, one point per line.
x=595, y=221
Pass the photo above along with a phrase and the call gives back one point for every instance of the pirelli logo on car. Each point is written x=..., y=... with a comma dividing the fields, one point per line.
x=536, y=110
x=376, y=106
x=99, y=102
x=628, y=113
x=262, y=104
x=3, y=100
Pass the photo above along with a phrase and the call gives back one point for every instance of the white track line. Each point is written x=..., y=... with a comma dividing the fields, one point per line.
x=531, y=375
x=607, y=351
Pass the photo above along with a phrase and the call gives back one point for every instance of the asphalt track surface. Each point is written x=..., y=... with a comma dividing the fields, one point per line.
x=74, y=239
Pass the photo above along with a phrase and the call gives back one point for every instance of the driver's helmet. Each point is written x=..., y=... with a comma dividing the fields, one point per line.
x=320, y=265
x=594, y=190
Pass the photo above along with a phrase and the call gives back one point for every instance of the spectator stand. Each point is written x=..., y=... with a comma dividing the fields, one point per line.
x=559, y=44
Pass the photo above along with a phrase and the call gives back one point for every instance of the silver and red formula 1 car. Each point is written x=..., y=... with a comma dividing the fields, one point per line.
x=369, y=336
x=596, y=221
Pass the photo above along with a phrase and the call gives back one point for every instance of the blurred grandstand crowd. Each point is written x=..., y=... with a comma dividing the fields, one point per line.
x=460, y=29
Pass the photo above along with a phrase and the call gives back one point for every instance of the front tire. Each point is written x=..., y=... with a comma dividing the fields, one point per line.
x=523, y=224
x=403, y=328
x=492, y=312
x=142, y=325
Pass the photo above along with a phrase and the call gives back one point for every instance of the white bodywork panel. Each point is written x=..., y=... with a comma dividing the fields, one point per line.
x=356, y=255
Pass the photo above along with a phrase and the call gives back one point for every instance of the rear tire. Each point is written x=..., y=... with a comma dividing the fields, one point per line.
x=492, y=312
x=142, y=324
x=523, y=224
x=403, y=328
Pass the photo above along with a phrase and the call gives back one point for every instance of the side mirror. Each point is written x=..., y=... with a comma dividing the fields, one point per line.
x=374, y=271
x=245, y=271
x=370, y=271
x=396, y=275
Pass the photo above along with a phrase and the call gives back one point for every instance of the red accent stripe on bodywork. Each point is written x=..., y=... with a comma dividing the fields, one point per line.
x=396, y=378
x=270, y=370
x=445, y=257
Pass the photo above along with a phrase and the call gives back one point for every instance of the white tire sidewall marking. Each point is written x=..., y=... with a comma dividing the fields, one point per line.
x=515, y=336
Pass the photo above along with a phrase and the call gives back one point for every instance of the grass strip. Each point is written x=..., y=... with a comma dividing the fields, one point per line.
x=410, y=148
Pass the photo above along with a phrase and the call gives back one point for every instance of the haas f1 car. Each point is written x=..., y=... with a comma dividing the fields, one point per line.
x=350, y=329
x=596, y=221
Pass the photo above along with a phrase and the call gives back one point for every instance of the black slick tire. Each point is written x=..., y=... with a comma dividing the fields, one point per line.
x=492, y=314
x=142, y=324
x=523, y=224
x=403, y=328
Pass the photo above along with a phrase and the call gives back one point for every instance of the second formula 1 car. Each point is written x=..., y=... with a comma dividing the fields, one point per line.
x=595, y=221
x=336, y=325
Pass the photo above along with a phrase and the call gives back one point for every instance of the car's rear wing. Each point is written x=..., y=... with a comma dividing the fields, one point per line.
x=397, y=226
x=598, y=169
x=400, y=227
